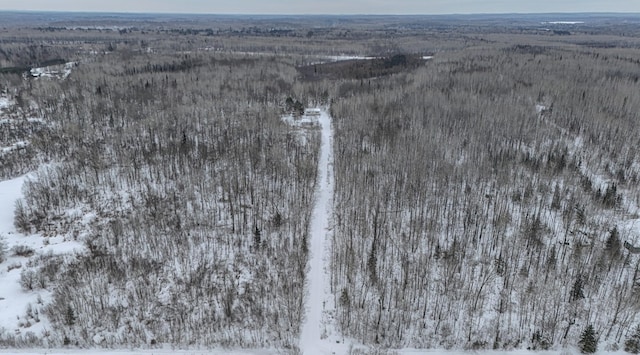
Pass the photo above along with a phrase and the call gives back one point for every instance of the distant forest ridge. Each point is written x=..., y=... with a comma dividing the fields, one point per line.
x=12, y=18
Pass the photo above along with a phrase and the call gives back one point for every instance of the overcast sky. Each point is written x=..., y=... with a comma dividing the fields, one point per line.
x=326, y=6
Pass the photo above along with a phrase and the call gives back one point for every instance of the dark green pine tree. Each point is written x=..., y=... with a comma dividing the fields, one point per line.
x=588, y=342
x=257, y=237
x=632, y=344
x=576, y=291
x=372, y=264
x=613, y=244
x=70, y=316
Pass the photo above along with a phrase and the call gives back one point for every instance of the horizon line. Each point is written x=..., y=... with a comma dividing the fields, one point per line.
x=319, y=14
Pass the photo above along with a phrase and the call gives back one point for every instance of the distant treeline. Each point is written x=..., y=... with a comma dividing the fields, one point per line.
x=22, y=69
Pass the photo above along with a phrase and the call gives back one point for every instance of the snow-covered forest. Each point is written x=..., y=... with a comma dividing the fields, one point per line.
x=172, y=191
x=189, y=195
x=500, y=186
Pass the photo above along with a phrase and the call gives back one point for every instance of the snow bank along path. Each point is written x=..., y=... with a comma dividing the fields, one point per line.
x=317, y=291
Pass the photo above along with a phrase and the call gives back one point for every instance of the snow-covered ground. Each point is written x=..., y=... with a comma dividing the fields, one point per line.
x=316, y=333
x=17, y=145
x=134, y=352
x=5, y=103
x=54, y=71
x=14, y=301
x=572, y=351
x=340, y=58
x=301, y=122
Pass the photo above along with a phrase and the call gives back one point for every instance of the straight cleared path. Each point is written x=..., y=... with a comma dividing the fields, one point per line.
x=317, y=289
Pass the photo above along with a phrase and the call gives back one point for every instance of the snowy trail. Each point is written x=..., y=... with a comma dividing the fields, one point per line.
x=317, y=290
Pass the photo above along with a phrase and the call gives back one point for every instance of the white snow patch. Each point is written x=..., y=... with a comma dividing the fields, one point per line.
x=301, y=121
x=53, y=71
x=98, y=28
x=563, y=22
x=578, y=142
x=5, y=103
x=311, y=118
x=630, y=231
x=35, y=120
x=340, y=58
x=10, y=192
x=15, y=146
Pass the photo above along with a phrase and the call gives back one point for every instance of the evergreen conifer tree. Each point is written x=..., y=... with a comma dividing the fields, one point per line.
x=3, y=249
x=613, y=244
x=576, y=291
x=632, y=344
x=588, y=342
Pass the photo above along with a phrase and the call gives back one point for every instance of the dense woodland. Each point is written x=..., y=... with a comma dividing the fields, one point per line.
x=190, y=194
x=501, y=184
x=483, y=197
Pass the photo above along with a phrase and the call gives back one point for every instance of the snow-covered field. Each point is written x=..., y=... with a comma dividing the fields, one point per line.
x=54, y=71
x=20, y=309
x=340, y=58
